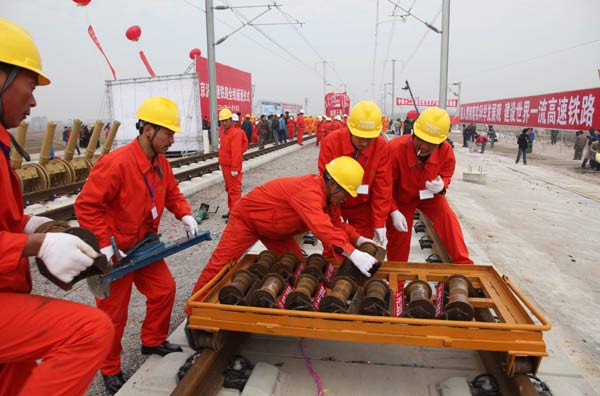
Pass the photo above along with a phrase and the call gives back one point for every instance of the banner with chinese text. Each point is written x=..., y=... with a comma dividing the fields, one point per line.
x=234, y=88
x=562, y=110
x=337, y=104
x=425, y=102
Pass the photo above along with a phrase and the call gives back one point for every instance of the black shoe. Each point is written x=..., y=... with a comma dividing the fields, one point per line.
x=113, y=383
x=225, y=216
x=163, y=349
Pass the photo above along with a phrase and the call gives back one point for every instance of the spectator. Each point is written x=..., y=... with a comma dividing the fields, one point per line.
x=492, y=137
x=523, y=144
x=282, y=129
x=247, y=127
x=106, y=130
x=482, y=141
x=65, y=135
x=275, y=128
x=553, y=136
x=396, y=124
x=591, y=152
x=205, y=123
x=579, y=145
x=531, y=136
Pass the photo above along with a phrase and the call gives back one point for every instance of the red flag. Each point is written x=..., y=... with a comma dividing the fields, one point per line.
x=143, y=56
x=95, y=40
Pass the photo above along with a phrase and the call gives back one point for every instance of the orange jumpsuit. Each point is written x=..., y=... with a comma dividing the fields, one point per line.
x=367, y=211
x=301, y=128
x=255, y=138
x=273, y=213
x=409, y=176
x=291, y=127
x=70, y=339
x=233, y=144
x=320, y=131
x=118, y=200
x=309, y=126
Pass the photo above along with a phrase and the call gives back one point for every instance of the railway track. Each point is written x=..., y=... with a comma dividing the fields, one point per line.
x=66, y=212
x=205, y=377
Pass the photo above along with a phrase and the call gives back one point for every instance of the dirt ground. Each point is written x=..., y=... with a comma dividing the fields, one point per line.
x=529, y=221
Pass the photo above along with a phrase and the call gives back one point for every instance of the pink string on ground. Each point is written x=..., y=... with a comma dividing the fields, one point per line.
x=312, y=371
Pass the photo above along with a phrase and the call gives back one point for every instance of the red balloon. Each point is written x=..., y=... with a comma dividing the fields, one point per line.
x=194, y=53
x=412, y=115
x=82, y=3
x=134, y=33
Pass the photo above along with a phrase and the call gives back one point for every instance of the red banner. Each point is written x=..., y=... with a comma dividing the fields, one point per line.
x=562, y=110
x=234, y=88
x=337, y=104
x=97, y=42
x=147, y=64
x=425, y=102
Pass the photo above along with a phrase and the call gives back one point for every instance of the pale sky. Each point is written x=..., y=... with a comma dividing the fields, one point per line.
x=498, y=48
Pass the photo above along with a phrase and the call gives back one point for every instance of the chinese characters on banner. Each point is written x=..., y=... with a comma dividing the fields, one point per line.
x=562, y=110
x=234, y=88
x=425, y=102
x=337, y=104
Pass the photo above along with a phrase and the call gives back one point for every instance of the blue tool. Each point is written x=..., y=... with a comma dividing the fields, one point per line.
x=148, y=251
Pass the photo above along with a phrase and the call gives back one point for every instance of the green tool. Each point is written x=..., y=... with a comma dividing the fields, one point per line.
x=202, y=213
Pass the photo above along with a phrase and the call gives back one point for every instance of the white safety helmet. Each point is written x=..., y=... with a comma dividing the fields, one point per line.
x=337, y=117
x=235, y=117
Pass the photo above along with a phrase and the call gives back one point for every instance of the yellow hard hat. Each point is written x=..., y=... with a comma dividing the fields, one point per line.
x=225, y=114
x=365, y=120
x=18, y=49
x=432, y=125
x=160, y=111
x=346, y=172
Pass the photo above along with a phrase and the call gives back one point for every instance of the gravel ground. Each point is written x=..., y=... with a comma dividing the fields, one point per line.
x=186, y=265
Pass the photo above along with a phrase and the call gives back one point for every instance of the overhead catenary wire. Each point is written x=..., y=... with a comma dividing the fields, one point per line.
x=279, y=54
x=375, y=50
x=243, y=19
x=306, y=41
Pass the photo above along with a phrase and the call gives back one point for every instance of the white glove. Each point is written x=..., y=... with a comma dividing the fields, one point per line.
x=399, y=221
x=34, y=222
x=234, y=173
x=363, y=261
x=361, y=239
x=109, y=253
x=65, y=255
x=436, y=185
x=380, y=237
x=190, y=225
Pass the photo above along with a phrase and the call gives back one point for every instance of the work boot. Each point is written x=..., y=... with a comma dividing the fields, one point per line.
x=163, y=349
x=113, y=383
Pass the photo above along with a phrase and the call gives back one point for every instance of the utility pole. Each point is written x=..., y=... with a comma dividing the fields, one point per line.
x=393, y=87
x=324, y=81
x=444, y=53
x=212, y=74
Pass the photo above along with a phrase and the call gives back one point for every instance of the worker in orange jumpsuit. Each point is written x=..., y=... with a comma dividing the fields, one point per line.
x=69, y=340
x=384, y=124
x=125, y=196
x=336, y=124
x=301, y=126
x=309, y=126
x=361, y=140
x=422, y=168
x=291, y=127
x=319, y=129
x=276, y=211
x=233, y=143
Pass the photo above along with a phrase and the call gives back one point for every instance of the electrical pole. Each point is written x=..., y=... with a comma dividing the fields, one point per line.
x=393, y=87
x=324, y=81
x=444, y=53
x=212, y=74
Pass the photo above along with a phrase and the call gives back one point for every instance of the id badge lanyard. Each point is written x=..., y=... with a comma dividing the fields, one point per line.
x=153, y=210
